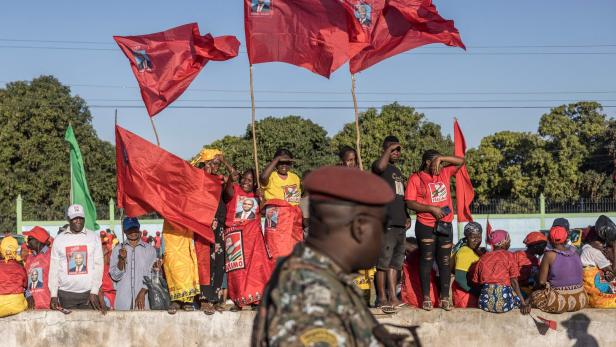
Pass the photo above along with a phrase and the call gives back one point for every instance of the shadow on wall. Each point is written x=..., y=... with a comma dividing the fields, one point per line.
x=577, y=329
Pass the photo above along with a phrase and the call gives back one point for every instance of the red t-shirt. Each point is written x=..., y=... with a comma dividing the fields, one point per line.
x=528, y=266
x=431, y=190
x=496, y=267
x=13, y=278
x=37, y=269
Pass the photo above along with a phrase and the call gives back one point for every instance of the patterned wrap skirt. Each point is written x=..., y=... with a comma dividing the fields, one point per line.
x=560, y=299
x=498, y=298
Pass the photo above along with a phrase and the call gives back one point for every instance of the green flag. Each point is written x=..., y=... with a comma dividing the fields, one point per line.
x=80, y=194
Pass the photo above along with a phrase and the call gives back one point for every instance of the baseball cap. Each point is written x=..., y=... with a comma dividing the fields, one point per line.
x=558, y=235
x=75, y=211
x=38, y=234
x=130, y=223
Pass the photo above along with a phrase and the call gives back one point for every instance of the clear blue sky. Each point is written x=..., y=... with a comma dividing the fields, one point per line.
x=426, y=80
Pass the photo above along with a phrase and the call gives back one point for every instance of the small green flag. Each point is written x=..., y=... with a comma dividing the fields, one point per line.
x=80, y=194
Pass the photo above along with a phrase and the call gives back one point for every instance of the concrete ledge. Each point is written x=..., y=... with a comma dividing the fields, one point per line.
x=469, y=327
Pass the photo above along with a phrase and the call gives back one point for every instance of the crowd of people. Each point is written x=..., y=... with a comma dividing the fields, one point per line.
x=260, y=220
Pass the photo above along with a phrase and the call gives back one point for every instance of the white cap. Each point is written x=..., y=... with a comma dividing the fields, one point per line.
x=75, y=211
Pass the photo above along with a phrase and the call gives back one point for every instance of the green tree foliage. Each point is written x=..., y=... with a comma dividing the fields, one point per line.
x=307, y=141
x=415, y=133
x=568, y=159
x=34, y=158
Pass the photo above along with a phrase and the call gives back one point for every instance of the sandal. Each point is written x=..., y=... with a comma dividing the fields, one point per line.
x=445, y=304
x=235, y=308
x=188, y=307
x=208, y=308
x=388, y=309
x=427, y=305
x=173, y=308
x=219, y=307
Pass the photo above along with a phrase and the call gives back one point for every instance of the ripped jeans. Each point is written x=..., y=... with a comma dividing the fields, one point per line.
x=429, y=244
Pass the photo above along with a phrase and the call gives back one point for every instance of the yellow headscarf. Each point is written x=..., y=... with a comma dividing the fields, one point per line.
x=206, y=155
x=8, y=249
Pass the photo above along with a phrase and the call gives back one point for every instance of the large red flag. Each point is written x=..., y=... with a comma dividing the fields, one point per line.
x=319, y=35
x=464, y=188
x=165, y=63
x=151, y=179
x=401, y=25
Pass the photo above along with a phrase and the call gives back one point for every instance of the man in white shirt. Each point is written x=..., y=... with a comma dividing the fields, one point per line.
x=76, y=267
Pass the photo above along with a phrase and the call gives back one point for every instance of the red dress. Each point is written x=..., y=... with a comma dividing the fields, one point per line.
x=247, y=261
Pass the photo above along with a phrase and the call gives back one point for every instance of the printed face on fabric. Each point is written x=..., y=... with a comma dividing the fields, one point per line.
x=261, y=7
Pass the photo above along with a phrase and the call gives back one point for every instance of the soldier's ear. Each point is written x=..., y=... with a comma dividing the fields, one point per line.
x=359, y=229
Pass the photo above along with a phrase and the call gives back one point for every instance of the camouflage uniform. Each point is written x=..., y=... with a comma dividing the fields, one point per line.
x=310, y=301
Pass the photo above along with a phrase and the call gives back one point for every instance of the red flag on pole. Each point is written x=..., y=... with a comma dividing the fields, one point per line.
x=319, y=35
x=165, y=63
x=488, y=229
x=151, y=179
x=401, y=25
x=464, y=188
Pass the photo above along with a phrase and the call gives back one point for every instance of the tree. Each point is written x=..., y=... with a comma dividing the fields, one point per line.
x=569, y=158
x=34, y=156
x=415, y=133
x=307, y=141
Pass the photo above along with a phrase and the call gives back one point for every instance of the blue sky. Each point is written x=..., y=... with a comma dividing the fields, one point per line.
x=447, y=78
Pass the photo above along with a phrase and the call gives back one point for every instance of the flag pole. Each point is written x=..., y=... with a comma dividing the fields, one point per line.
x=121, y=209
x=155, y=132
x=254, y=130
x=357, y=132
x=72, y=174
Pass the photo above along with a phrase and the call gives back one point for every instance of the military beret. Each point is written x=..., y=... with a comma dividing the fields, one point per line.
x=348, y=184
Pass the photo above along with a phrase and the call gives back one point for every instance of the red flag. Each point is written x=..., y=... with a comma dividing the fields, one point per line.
x=151, y=179
x=165, y=63
x=401, y=25
x=549, y=323
x=464, y=188
x=319, y=35
x=488, y=230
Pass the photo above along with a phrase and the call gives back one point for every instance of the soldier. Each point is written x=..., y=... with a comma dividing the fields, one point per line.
x=311, y=299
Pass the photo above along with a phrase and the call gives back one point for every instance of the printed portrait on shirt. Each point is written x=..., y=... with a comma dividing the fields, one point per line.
x=399, y=183
x=234, y=249
x=292, y=194
x=271, y=217
x=35, y=278
x=77, y=260
x=261, y=7
x=245, y=208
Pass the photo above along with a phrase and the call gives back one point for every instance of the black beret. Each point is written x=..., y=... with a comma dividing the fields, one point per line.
x=348, y=184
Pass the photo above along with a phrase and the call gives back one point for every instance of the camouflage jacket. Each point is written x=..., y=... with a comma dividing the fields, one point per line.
x=310, y=301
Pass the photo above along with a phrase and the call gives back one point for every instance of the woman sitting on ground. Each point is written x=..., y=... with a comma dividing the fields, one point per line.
x=599, y=270
x=560, y=288
x=497, y=273
x=528, y=261
x=466, y=254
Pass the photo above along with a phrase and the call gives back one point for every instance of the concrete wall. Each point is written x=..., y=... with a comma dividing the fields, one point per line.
x=151, y=329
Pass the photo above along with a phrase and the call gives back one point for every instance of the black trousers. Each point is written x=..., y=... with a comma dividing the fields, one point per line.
x=74, y=301
x=430, y=244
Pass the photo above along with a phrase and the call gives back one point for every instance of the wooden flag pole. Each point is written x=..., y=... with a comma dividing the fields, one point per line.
x=254, y=130
x=357, y=132
x=155, y=132
x=121, y=210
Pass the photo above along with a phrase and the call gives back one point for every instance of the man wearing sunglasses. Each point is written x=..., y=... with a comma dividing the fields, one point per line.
x=311, y=299
x=392, y=252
